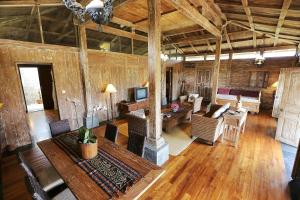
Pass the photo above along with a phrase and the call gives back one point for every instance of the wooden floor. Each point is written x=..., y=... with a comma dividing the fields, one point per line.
x=254, y=170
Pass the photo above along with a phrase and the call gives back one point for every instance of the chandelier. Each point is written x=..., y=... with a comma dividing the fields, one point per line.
x=100, y=11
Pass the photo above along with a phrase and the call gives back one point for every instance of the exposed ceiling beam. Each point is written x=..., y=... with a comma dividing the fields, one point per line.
x=184, y=7
x=250, y=19
x=237, y=45
x=271, y=28
x=185, y=30
x=270, y=35
x=285, y=6
x=227, y=38
x=252, y=49
x=261, y=9
x=120, y=21
x=30, y=3
x=115, y=31
x=191, y=39
x=208, y=7
x=205, y=37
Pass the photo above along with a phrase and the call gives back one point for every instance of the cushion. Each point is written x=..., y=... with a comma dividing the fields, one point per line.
x=249, y=93
x=223, y=91
x=235, y=92
x=139, y=113
x=192, y=97
x=220, y=111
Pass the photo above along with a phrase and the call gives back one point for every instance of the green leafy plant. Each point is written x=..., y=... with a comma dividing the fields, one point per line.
x=86, y=135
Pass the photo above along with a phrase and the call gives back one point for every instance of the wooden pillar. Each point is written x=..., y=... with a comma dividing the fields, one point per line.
x=40, y=24
x=84, y=66
x=132, y=42
x=216, y=69
x=156, y=149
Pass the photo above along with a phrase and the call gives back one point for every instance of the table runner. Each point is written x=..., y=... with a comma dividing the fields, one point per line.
x=111, y=174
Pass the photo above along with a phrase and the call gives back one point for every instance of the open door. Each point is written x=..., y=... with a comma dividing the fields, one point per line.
x=46, y=84
x=288, y=128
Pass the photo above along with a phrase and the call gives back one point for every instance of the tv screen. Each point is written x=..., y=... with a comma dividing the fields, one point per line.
x=141, y=94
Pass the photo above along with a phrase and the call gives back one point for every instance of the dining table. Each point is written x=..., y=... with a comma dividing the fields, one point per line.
x=84, y=187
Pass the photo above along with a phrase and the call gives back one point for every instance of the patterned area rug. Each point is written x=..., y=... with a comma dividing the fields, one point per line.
x=112, y=175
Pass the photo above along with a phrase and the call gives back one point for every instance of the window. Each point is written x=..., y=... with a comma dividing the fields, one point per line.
x=210, y=57
x=179, y=58
x=224, y=56
x=280, y=53
x=245, y=55
x=194, y=58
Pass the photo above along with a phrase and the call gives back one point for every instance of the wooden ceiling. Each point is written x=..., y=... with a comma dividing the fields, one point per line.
x=188, y=26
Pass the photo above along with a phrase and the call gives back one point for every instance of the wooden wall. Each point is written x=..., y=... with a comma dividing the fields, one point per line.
x=122, y=70
x=66, y=76
x=236, y=74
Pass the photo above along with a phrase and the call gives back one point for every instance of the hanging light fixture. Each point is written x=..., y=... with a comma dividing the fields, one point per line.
x=100, y=11
x=259, y=60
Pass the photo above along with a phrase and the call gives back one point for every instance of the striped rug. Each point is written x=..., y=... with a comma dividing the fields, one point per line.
x=111, y=174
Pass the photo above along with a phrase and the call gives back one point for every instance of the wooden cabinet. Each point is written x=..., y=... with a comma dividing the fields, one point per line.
x=203, y=84
x=133, y=106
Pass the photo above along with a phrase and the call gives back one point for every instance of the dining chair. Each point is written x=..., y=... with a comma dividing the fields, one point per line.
x=59, y=127
x=48, y=177
x=38, y=193
x=136, y=144
x=111, y=132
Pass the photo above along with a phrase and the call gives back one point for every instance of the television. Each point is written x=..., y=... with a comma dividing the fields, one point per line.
x=140, y=94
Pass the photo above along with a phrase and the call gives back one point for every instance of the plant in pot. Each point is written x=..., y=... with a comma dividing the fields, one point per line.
x=88, y=143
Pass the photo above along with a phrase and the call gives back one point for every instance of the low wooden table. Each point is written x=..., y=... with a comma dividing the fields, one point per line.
x=176, y=117
x=83, y=187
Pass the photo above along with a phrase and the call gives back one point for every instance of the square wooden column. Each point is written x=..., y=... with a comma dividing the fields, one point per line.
x=156, y=150
x=216, y=71
x=84, y=67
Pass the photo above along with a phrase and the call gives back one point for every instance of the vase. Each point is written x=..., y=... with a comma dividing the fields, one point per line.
x=89, y=151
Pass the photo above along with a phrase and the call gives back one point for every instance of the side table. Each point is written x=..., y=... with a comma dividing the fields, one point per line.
x=234, y=124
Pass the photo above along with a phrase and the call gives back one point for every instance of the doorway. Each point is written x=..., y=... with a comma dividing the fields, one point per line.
x=38, y=87
x=169, y=84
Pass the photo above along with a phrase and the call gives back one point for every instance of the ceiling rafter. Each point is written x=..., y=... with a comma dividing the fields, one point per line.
x=30, y=3
x=285, y=6
x=250, y=20
x=193, y=14
x=227, y=38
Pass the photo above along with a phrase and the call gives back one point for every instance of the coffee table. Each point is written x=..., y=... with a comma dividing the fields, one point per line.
x=175, y=118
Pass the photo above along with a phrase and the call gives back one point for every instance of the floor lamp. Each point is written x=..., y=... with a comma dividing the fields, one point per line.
x=110, y=88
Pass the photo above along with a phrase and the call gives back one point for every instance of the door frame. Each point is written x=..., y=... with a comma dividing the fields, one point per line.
x=21, y=84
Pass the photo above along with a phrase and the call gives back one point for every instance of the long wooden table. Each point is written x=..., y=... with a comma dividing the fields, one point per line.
x=83, y=187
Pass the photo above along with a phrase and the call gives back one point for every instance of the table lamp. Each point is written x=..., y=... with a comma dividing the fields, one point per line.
x=110, y=88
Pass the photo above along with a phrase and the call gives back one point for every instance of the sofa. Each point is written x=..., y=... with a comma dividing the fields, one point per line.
x=250, y=98
x=210, y=126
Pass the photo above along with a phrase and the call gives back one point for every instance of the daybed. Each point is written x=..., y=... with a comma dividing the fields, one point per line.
x=250, y=98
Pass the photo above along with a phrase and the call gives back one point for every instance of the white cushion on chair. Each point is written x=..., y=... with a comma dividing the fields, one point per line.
x=49, y=178
x=65, y=195
x=192, y=97
x=220, y=111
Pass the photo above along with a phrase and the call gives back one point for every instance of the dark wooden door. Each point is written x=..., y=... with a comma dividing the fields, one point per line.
x=46, y=82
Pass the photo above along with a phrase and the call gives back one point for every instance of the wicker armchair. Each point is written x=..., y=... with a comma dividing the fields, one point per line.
x=197, y=104
x=207, y=128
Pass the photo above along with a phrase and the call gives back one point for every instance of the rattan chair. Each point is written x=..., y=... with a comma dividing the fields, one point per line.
x=59, y=127
x=38, y=193
x=48, y=177
x=111, y=132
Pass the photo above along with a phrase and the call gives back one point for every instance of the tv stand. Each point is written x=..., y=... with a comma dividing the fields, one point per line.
x=126, y=107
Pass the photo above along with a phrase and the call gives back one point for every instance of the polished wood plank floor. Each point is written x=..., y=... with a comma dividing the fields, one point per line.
x=254, y=170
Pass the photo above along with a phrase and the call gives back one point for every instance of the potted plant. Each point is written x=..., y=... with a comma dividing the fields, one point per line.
x=88, y=143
